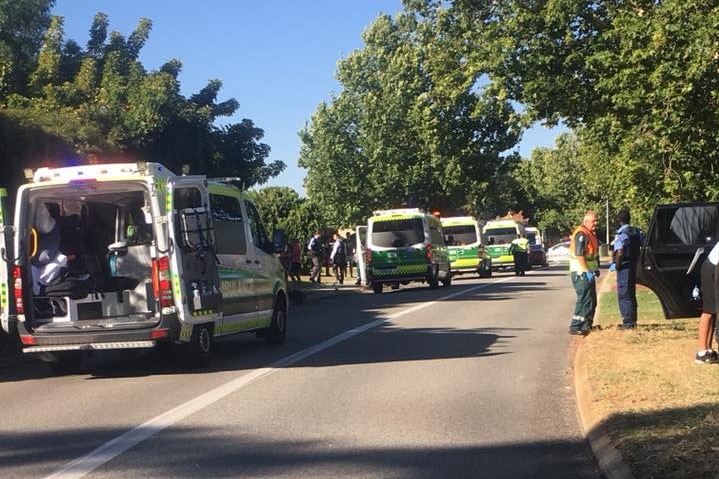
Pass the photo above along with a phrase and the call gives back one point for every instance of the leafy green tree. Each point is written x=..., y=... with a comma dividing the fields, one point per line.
x=103, y=105
x=411, y=127
x=640, y=78
x=22, y=26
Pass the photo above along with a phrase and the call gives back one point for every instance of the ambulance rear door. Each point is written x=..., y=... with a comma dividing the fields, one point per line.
x=7, y=303
x=361, y=250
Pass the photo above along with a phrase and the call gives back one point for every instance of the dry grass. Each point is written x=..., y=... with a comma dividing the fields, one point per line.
x=660, y=408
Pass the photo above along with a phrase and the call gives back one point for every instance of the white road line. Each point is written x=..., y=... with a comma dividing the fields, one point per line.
x=108, y=451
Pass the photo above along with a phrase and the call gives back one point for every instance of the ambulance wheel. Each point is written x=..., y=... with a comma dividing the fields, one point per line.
x=433, y=279
x=201, y=344
x=277, y=331
x=395, y=286
x=63, y=364
x=447, y=280
x=377, y=288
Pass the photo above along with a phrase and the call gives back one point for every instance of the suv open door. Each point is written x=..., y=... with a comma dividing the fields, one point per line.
x=679, y=238
x=6, y=293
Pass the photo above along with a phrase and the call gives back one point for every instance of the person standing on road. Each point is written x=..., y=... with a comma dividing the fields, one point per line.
x=707, y=320
x=584, y=268
x=338, y=258
x=314, y=248
x=518, y=248
x=295, y=259
x=624, y=261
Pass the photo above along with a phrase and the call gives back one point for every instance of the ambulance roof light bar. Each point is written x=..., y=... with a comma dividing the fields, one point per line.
x=398, y=211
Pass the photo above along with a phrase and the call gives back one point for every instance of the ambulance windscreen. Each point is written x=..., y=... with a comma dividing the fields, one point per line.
x=397, y=233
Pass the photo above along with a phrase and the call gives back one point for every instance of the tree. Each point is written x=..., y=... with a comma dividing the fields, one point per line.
x=412, y=127
x=640, y=78
x=22, y=25
x=102, y=103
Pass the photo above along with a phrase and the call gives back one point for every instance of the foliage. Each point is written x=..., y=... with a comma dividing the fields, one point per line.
x=282, y=207
x=413, y=126
x=22, y=24
x=554, y=182
x=640, y=78
x=100, y=104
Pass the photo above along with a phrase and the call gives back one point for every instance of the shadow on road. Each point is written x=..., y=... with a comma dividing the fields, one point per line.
x=193, y=452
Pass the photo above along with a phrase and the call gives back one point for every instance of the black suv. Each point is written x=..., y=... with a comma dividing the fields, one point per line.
x=679, y=238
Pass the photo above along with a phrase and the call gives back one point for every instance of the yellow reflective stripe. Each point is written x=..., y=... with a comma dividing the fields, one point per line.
x=4, y=298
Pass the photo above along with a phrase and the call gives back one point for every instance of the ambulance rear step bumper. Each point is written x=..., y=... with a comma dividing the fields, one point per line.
x=90, y=346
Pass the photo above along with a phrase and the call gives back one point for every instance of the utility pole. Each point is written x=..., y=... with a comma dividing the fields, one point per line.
x=607, y=205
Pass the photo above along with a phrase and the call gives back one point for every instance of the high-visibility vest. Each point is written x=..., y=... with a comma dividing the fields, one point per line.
x=521, y=244
x=591, y=252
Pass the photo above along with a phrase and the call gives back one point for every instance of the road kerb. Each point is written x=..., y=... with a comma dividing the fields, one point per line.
x=608, y=457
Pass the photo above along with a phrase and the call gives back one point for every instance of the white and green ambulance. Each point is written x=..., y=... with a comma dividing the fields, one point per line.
x=500, y=234
x=132, y=255
x=405, y=245
x=467, y=247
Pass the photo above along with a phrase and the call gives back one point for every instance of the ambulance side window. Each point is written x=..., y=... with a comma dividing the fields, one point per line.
x=259, y=236
x=229, y=226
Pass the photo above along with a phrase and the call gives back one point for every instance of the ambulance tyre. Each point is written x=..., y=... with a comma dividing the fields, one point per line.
x=63, y=364
x=433, y=278
x=277, y=331
x=199, y=349
x=377, y=287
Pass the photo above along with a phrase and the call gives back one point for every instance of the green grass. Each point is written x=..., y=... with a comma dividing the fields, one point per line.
x=649, y=308
x=660, y=409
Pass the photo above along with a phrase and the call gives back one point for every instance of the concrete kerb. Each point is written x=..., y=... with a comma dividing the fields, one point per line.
x=607, y=455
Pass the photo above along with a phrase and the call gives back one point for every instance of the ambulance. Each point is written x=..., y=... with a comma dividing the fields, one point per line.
x=467, y=246
x=405, y=245
x=131, y=256
x=500, y=234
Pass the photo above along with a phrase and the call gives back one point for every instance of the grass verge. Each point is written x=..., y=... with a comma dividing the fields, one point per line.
x=660, y=409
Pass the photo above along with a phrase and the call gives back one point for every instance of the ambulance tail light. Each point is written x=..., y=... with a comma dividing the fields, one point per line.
x=161, y=281
x=17, y=289
x=428, y=252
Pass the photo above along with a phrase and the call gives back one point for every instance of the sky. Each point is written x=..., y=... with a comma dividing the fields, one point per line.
x=277, y=58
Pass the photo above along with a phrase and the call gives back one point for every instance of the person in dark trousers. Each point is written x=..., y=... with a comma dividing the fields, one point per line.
x=707, y=320
x=584, y=268
x=519, y=248
x=338, y=258
x=315, y=250
x=625, y=255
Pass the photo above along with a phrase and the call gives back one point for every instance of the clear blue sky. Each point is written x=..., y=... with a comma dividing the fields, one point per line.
x=277, y=58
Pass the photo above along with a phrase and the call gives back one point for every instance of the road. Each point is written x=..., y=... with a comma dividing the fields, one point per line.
x=466, y=381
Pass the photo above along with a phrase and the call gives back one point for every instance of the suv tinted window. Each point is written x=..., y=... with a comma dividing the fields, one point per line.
x=397, y=233
x=686, y=225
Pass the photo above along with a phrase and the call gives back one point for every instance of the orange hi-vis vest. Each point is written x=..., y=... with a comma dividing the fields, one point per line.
x=591, y=252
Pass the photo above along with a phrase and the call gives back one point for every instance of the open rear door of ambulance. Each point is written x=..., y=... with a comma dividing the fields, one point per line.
x=7, y=310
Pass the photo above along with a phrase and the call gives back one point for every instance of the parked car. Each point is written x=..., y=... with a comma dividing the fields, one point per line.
x=537, y=255
x=559, y=253
x=678, y=240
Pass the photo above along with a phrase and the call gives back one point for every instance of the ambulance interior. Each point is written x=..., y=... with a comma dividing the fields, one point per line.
x=89, y=255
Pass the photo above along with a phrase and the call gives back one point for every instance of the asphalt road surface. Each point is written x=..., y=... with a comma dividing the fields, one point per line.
x=467, y=381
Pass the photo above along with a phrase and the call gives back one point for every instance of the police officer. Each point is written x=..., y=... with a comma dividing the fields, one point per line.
x=315, y=250
x=625, y=254
x=518, y=248
x=584, y=268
